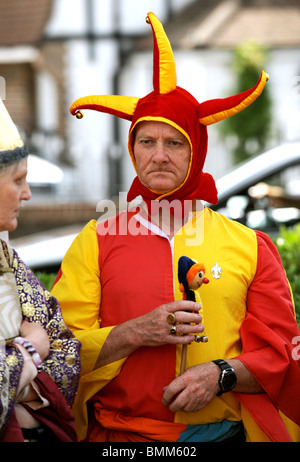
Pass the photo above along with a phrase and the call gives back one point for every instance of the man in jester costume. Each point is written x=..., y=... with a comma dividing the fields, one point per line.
x=120, y=294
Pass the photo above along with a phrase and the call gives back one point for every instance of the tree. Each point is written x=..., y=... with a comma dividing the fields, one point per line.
x=251, y=128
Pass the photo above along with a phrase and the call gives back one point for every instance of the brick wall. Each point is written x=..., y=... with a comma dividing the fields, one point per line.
x=36, y=218
x=20, y=94
x=23, y=21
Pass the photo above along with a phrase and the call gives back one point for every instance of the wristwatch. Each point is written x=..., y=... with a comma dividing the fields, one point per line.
x=227, y=379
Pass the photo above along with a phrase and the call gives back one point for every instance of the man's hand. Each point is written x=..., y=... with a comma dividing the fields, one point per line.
x=198, y=385
x=194, y=389
x=152, y=329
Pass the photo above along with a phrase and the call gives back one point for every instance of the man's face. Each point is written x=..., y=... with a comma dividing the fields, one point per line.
x=162, y=156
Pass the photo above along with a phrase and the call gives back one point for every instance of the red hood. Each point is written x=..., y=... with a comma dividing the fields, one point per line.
x=180, y=109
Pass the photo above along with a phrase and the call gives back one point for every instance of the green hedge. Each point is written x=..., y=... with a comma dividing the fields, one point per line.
x=47, y=279
x=288, y=245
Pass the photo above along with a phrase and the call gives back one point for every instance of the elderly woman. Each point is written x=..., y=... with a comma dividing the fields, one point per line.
x=39, y=357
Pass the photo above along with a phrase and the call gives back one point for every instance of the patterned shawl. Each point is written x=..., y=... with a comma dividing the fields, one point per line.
x=36, y=305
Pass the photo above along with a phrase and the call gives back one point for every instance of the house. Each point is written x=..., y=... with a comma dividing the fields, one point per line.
x=203, y=37
x=54, y=51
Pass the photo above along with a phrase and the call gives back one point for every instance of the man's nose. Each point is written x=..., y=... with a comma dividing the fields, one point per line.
x=160, y=153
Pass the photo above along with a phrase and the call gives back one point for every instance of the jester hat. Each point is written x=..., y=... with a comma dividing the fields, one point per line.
x=175, y=106
x=12, y=148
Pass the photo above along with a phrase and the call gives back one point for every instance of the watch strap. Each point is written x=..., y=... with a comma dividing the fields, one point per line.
x=221, y=363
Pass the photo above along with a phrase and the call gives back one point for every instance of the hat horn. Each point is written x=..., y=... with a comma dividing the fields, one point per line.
x=120, y=106
x=164, y=70
x=215, y=110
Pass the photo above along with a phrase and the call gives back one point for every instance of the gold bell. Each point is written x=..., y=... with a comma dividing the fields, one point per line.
x=79, y=115
x=201, y=338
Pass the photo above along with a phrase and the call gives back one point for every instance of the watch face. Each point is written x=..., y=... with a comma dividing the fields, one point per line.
x=228, y=379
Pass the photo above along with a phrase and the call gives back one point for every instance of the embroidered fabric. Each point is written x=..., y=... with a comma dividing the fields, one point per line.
x=29, y=300
x=11, y=360
x=10, y=309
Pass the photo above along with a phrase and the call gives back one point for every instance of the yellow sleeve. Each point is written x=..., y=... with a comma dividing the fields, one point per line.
x=78, y=292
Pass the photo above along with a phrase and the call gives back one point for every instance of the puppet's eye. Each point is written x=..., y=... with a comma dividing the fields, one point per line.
x=201, y=274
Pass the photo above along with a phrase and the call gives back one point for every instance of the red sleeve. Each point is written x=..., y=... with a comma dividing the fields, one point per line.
x=268, y=331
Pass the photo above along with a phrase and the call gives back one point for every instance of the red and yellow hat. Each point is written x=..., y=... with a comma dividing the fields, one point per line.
x=175, y=106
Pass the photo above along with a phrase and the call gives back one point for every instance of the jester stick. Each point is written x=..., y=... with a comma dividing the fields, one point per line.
x=191, y=277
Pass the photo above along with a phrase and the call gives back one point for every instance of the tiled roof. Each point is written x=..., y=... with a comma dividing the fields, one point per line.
x=226, y=23
x=23, y=22
x=272, y=26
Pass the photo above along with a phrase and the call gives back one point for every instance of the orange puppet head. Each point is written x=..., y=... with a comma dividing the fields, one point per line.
x=190, y=276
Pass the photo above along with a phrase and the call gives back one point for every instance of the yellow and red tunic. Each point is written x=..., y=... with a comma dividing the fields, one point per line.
x=125, y=267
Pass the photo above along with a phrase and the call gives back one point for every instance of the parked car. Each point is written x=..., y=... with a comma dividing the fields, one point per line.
x=263, y=193
x=44, y=251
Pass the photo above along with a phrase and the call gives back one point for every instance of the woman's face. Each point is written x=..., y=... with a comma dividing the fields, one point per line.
x=13, y=190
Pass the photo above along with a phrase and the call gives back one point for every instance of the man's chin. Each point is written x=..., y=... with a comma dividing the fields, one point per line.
x=162, y=187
